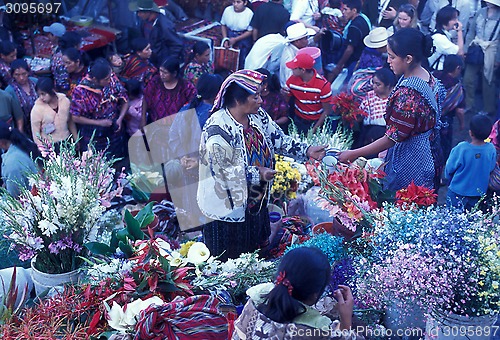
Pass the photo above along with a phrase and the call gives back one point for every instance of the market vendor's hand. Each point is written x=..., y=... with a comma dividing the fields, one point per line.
x=118, y=124
x=266, y=174
x=347, y=156
x=232, y=41
x=389, y=13
x=105, y=122
x=317, y=152
x=345, y=304
x=334, y=73
x=189, y=163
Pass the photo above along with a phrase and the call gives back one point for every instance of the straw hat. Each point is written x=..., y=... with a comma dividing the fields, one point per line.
x=494, y=2
x=143, y=5
x=298, y=31
x=376, y=38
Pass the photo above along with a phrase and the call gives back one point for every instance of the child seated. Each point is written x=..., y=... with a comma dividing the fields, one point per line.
x=283, y=309
x=469, y=166
x=134, y=113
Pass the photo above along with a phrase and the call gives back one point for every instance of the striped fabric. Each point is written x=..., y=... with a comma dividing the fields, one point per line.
x=310, y=96
x=195, y=317
x=247, y=79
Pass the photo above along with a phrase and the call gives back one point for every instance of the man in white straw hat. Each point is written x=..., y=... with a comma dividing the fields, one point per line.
x=159, y=30
x=375, y=53
x=297, y=36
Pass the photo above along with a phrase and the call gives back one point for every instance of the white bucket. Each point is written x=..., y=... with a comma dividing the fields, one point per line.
x=442, y=326
x=44, y=281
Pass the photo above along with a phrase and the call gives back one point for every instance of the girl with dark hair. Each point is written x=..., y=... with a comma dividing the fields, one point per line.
x=8, y=53
x=50, y=118
x=235, y=28
x=454, y=102
x=57, y=67
x=98, y=107
x=166, y=93
x=133, y=117
x=138, y=65
x=22, y=90
x=273, y=101
x=412, y=111
x=199, y=63
x=17, y=159
x=237, y=150
x=446, y=21
x=75, y=67
x=283, y=308
x=374, y=105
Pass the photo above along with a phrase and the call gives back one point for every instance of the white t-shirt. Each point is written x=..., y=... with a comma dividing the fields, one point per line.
x=444, y=46
x=289, y=52
x=303, y=10
x=237, y=21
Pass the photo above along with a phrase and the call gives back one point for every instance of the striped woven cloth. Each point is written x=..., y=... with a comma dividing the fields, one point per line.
x=191, y=318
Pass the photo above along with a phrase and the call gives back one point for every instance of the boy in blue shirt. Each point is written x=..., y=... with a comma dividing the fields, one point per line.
x=469, y=166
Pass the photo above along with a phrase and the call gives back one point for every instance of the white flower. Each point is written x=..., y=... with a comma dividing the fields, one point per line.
x=163, y=247
x=135, y=308
x=176, y=259
x=124, y=320
x=116, y=318
x=47, y=227
x=210, y=268
x=198, y=253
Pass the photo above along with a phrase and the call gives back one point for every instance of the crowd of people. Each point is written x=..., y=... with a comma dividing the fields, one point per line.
x=411, y=65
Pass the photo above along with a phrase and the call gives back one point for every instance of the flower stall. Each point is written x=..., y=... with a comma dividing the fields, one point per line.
x=410, y=263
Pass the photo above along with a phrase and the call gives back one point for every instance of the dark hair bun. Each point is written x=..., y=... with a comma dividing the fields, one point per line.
x=428, y=46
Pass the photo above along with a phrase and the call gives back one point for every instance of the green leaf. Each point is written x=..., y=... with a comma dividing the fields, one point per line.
x=126, y=248
x=133, y=226
x=165, y=264
x=113, y=243
x=121, y=235
x=99, y=248
x=146, y=215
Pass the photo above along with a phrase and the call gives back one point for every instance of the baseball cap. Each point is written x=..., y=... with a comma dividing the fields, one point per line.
x=56, y=29
x=301, y=61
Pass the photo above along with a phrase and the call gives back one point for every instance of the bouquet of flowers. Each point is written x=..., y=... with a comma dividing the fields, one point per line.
x=436, y=257
x=286, y=181
x=346, y=106
x=347, y=194
x=235, y=275
x=416, y=195
x=340, y=139
x=60, y=213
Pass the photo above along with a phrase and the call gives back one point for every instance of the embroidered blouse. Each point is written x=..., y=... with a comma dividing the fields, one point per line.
x=225, y=173
x=162, y=102
x=194, y=71
x=409, y=113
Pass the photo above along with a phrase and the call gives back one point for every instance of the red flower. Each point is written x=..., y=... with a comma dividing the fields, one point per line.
x=419, y=195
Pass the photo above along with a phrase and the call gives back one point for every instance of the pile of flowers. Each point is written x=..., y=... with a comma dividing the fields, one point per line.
x=234, y=276
x=346, y=106
x=415, y=195
x=341, y=139
x=438, y=258
x=286, y=180
x=61, y=211
x=347, y=194
x=144, y=182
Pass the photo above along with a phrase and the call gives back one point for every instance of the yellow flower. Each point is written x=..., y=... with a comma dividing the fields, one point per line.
x=185, y=248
